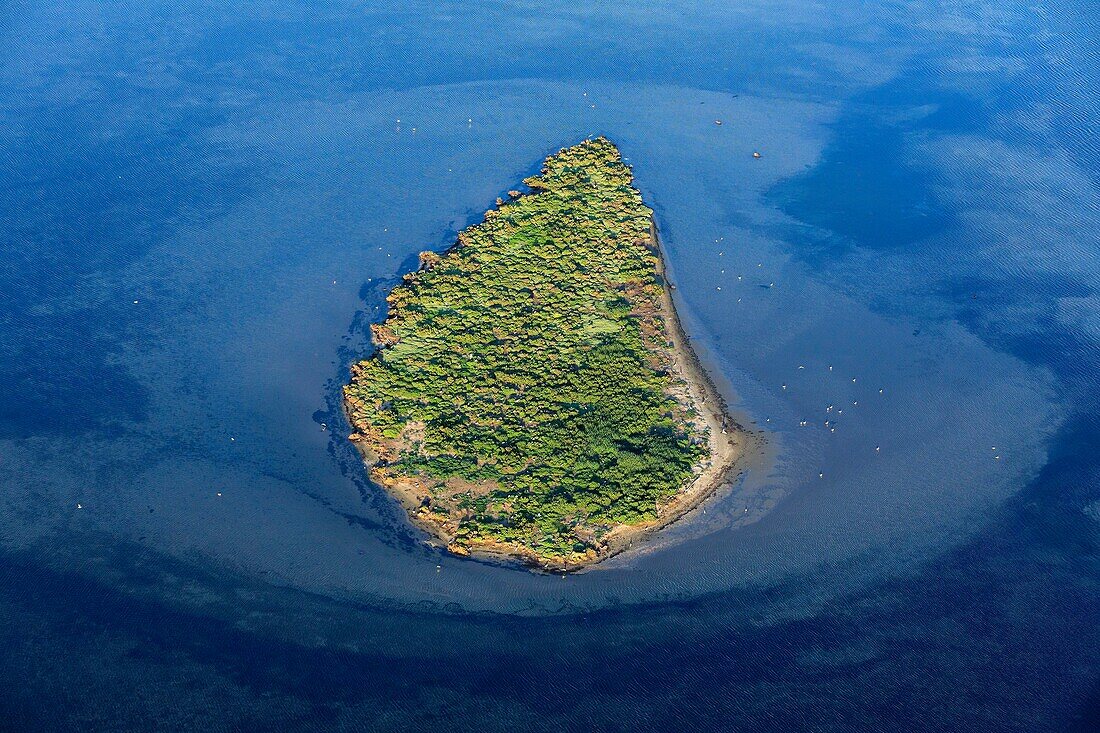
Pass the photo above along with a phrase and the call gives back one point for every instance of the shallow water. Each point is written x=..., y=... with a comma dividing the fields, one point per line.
x=205, y=207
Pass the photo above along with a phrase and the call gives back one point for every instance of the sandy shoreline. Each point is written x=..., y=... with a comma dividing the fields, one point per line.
x=729, y=441
x=728, y=445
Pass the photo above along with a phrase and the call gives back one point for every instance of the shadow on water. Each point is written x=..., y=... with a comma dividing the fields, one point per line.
x=394, y=528
x=866, y=192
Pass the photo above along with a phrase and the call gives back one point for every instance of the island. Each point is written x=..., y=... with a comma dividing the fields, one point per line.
x=532, y=393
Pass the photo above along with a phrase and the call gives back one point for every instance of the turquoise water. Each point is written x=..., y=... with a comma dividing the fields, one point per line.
x=203, y=208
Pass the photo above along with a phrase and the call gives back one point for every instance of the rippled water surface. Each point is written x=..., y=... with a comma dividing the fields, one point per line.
x=203, y=206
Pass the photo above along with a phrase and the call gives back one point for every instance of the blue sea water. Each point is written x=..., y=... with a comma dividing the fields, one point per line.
x=202, y=206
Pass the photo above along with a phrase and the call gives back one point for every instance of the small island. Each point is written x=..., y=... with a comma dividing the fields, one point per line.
x=533, y=394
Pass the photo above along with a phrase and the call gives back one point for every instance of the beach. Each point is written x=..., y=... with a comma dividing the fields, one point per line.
x=728, y=442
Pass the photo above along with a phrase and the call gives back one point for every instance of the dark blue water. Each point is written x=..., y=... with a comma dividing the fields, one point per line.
x=203, y=206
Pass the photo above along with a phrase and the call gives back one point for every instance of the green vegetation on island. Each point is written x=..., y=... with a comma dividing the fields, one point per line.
x=527, y=396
